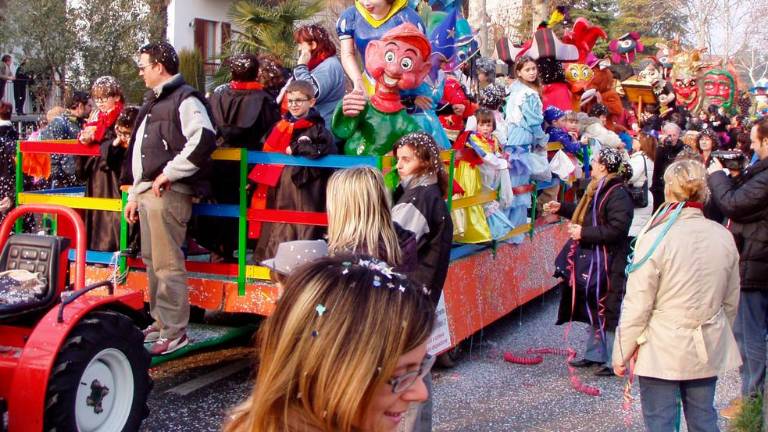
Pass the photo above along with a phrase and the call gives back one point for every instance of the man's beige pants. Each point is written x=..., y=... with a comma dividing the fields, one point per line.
x=163, y=229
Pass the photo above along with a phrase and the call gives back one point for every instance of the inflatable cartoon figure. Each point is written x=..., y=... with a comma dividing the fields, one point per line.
x=583, y=36
x=399, y=61
x=625, y=48
x=357, y=26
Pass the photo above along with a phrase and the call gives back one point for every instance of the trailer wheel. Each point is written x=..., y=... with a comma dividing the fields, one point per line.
x=100, y=380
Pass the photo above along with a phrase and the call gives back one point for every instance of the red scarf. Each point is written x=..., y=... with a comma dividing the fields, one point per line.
x=266, y=176
x=246, y=85
x=104, y=121
x=316, y=59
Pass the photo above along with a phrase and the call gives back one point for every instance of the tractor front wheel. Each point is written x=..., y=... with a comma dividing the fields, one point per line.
x=100, y=380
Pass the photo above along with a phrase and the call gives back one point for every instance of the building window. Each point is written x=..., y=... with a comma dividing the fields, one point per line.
x=209, y=45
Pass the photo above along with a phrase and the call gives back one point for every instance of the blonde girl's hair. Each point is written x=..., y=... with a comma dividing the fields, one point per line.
x=686, y=180
x=359, y=215
x=318, y=370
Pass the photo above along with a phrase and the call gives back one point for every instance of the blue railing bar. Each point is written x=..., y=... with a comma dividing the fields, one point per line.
x=330, y=161
x=62, y=191
x=93, y=257
x=217, y=210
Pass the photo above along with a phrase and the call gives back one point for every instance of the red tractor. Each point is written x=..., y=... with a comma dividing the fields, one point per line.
x=69, y=361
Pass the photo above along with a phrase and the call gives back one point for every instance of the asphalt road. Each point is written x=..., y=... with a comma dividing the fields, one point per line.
x=481, y=394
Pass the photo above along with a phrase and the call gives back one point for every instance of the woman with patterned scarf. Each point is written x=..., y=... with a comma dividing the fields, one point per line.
x=600, y=223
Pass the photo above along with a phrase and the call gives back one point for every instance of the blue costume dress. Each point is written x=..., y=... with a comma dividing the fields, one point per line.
x=427, y=119
x=355, y=22
x=526, y=146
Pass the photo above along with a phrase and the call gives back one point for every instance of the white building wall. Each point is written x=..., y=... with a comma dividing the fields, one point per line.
x=181, y=19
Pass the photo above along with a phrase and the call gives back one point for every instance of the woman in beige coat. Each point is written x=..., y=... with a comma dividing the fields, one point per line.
x=676, y=317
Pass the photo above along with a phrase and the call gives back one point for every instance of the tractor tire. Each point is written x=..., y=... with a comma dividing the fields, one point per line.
x=100, y=381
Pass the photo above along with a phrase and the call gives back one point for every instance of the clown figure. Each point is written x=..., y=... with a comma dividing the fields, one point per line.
x=366, y=21
x=399, y=61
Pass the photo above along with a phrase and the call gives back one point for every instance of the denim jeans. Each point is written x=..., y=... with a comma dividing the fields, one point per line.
x=597, y=351
x=660, y=397
x=750, y=329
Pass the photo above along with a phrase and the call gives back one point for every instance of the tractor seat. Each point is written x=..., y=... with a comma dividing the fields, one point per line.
x=37, y=254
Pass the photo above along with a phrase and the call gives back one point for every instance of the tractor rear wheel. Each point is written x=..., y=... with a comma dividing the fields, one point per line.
x=100, y=380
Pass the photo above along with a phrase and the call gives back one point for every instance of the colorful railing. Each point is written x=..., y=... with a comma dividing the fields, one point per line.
x=242, y=271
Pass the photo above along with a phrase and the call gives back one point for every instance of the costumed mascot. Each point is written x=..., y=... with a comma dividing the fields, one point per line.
x=652, y=73
x=583, y=36
x=603, y=83
x=399, y=61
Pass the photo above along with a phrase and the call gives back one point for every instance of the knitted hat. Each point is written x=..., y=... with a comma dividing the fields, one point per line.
x=553, y=113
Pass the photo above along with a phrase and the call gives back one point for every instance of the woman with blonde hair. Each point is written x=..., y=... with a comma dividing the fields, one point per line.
x=677, y=313
x=330, y=361
x=360, y=220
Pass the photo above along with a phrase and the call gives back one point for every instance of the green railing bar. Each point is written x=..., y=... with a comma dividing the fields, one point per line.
x=19, y=185
x=122, y=262
x=242, y=224
x=450, y=182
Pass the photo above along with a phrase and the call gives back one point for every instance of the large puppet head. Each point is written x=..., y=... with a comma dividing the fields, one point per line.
x=624, y=49
x=686, y=71
x=719, y=88
x=399, y=60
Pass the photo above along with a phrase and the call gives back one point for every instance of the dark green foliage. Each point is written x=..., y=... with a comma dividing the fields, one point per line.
x=191, y=68
x=751, y=417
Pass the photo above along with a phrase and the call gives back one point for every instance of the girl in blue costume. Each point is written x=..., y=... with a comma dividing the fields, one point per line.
x=527, y=141
x=368, y=20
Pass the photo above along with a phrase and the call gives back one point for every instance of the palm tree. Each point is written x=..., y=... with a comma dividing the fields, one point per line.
x=267, y=26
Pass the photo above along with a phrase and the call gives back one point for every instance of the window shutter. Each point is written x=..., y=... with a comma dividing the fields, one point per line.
x=200, y=35
x=226, y=34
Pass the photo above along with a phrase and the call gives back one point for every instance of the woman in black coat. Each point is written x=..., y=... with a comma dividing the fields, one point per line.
x=607, y=232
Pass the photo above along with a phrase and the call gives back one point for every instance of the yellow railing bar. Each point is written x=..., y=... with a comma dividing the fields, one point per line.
x=230, y=154
x=257, y=272
x=483, y=197
x=108, y=204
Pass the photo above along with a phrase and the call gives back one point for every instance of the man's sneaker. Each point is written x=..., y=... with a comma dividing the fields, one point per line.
x=733, y=409
x=165, y=346
x=151, y=333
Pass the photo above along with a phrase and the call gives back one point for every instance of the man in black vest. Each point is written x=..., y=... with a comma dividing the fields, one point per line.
x=169, y=152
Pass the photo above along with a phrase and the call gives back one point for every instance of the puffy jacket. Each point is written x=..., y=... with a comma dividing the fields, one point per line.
x=744, y=200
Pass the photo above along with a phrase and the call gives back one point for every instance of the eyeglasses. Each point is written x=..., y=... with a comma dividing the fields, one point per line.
x=124, y=133
x=101, y=100
x=142, y=67
x=405, y=381
x=297, y=101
